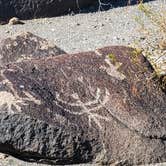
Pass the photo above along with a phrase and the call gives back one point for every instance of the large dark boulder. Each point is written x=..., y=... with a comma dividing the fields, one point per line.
x=26, y=46
x=26, y=9
x=101, y=106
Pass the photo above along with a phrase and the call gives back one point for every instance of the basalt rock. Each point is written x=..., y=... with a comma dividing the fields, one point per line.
x=93, y=107
x=26, y=9
x=26, y=46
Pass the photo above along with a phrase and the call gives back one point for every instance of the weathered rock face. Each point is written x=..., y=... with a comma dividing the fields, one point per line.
x=100, y=106
x=26, y=46
x=26, y=9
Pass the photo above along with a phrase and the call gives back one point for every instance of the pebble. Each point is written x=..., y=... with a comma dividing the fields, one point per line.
x=162, y=44
x=14, y=21
x=7, y=31
x=3, y=156
x=21, y=86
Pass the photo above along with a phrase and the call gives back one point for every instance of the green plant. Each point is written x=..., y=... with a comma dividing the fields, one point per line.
x=112, y=57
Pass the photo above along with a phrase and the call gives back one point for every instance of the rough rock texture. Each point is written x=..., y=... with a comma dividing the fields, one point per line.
x=98, y=107
x=26, y=46
x=7, y=160
x=26, y=9
x=11, y=161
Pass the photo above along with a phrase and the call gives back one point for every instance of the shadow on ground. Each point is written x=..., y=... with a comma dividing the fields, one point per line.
x=99, y=5
x=108, y=4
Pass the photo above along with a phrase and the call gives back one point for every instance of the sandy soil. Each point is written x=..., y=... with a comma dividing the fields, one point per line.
x=83, y=32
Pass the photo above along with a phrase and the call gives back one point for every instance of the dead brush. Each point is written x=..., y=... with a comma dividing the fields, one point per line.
x=157, y=18
x=157, y=57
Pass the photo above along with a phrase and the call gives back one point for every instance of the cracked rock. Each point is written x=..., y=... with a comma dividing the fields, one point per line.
x=91, y=107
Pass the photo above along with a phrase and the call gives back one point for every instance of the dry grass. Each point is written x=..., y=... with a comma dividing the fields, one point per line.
x=156, y=50
x=157, y=18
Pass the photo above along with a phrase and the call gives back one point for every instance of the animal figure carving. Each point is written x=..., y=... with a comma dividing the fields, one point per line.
x=88, y=108
x=82, y=108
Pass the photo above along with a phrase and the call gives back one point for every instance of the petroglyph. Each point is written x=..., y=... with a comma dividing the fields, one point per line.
x=72, y=110
x=31, y=98
x=112, y=70
x=12, y=99
x=26, y=46
x=98, y=53
x=64, y=74
x=8, y=100
x=9, y=84
x=88, y=108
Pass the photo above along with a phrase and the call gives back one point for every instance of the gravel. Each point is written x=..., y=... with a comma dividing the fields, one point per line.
x=86, y=32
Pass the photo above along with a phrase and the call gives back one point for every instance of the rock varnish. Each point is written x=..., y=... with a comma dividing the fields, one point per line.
x=26, y=46
x=92, y=107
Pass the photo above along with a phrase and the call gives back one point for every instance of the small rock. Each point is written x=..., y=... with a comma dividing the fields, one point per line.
x=102, y=25
x=14, y=21
x=7, y=31
x=3, y=156
x=21, y=86
x=142, y=38
x=162, y=44
x=116, y=38
x=95, y=26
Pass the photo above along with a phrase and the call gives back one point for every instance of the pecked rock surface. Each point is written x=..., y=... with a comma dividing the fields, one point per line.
x=93, y=107
x=26, y=9
x=26, y=46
